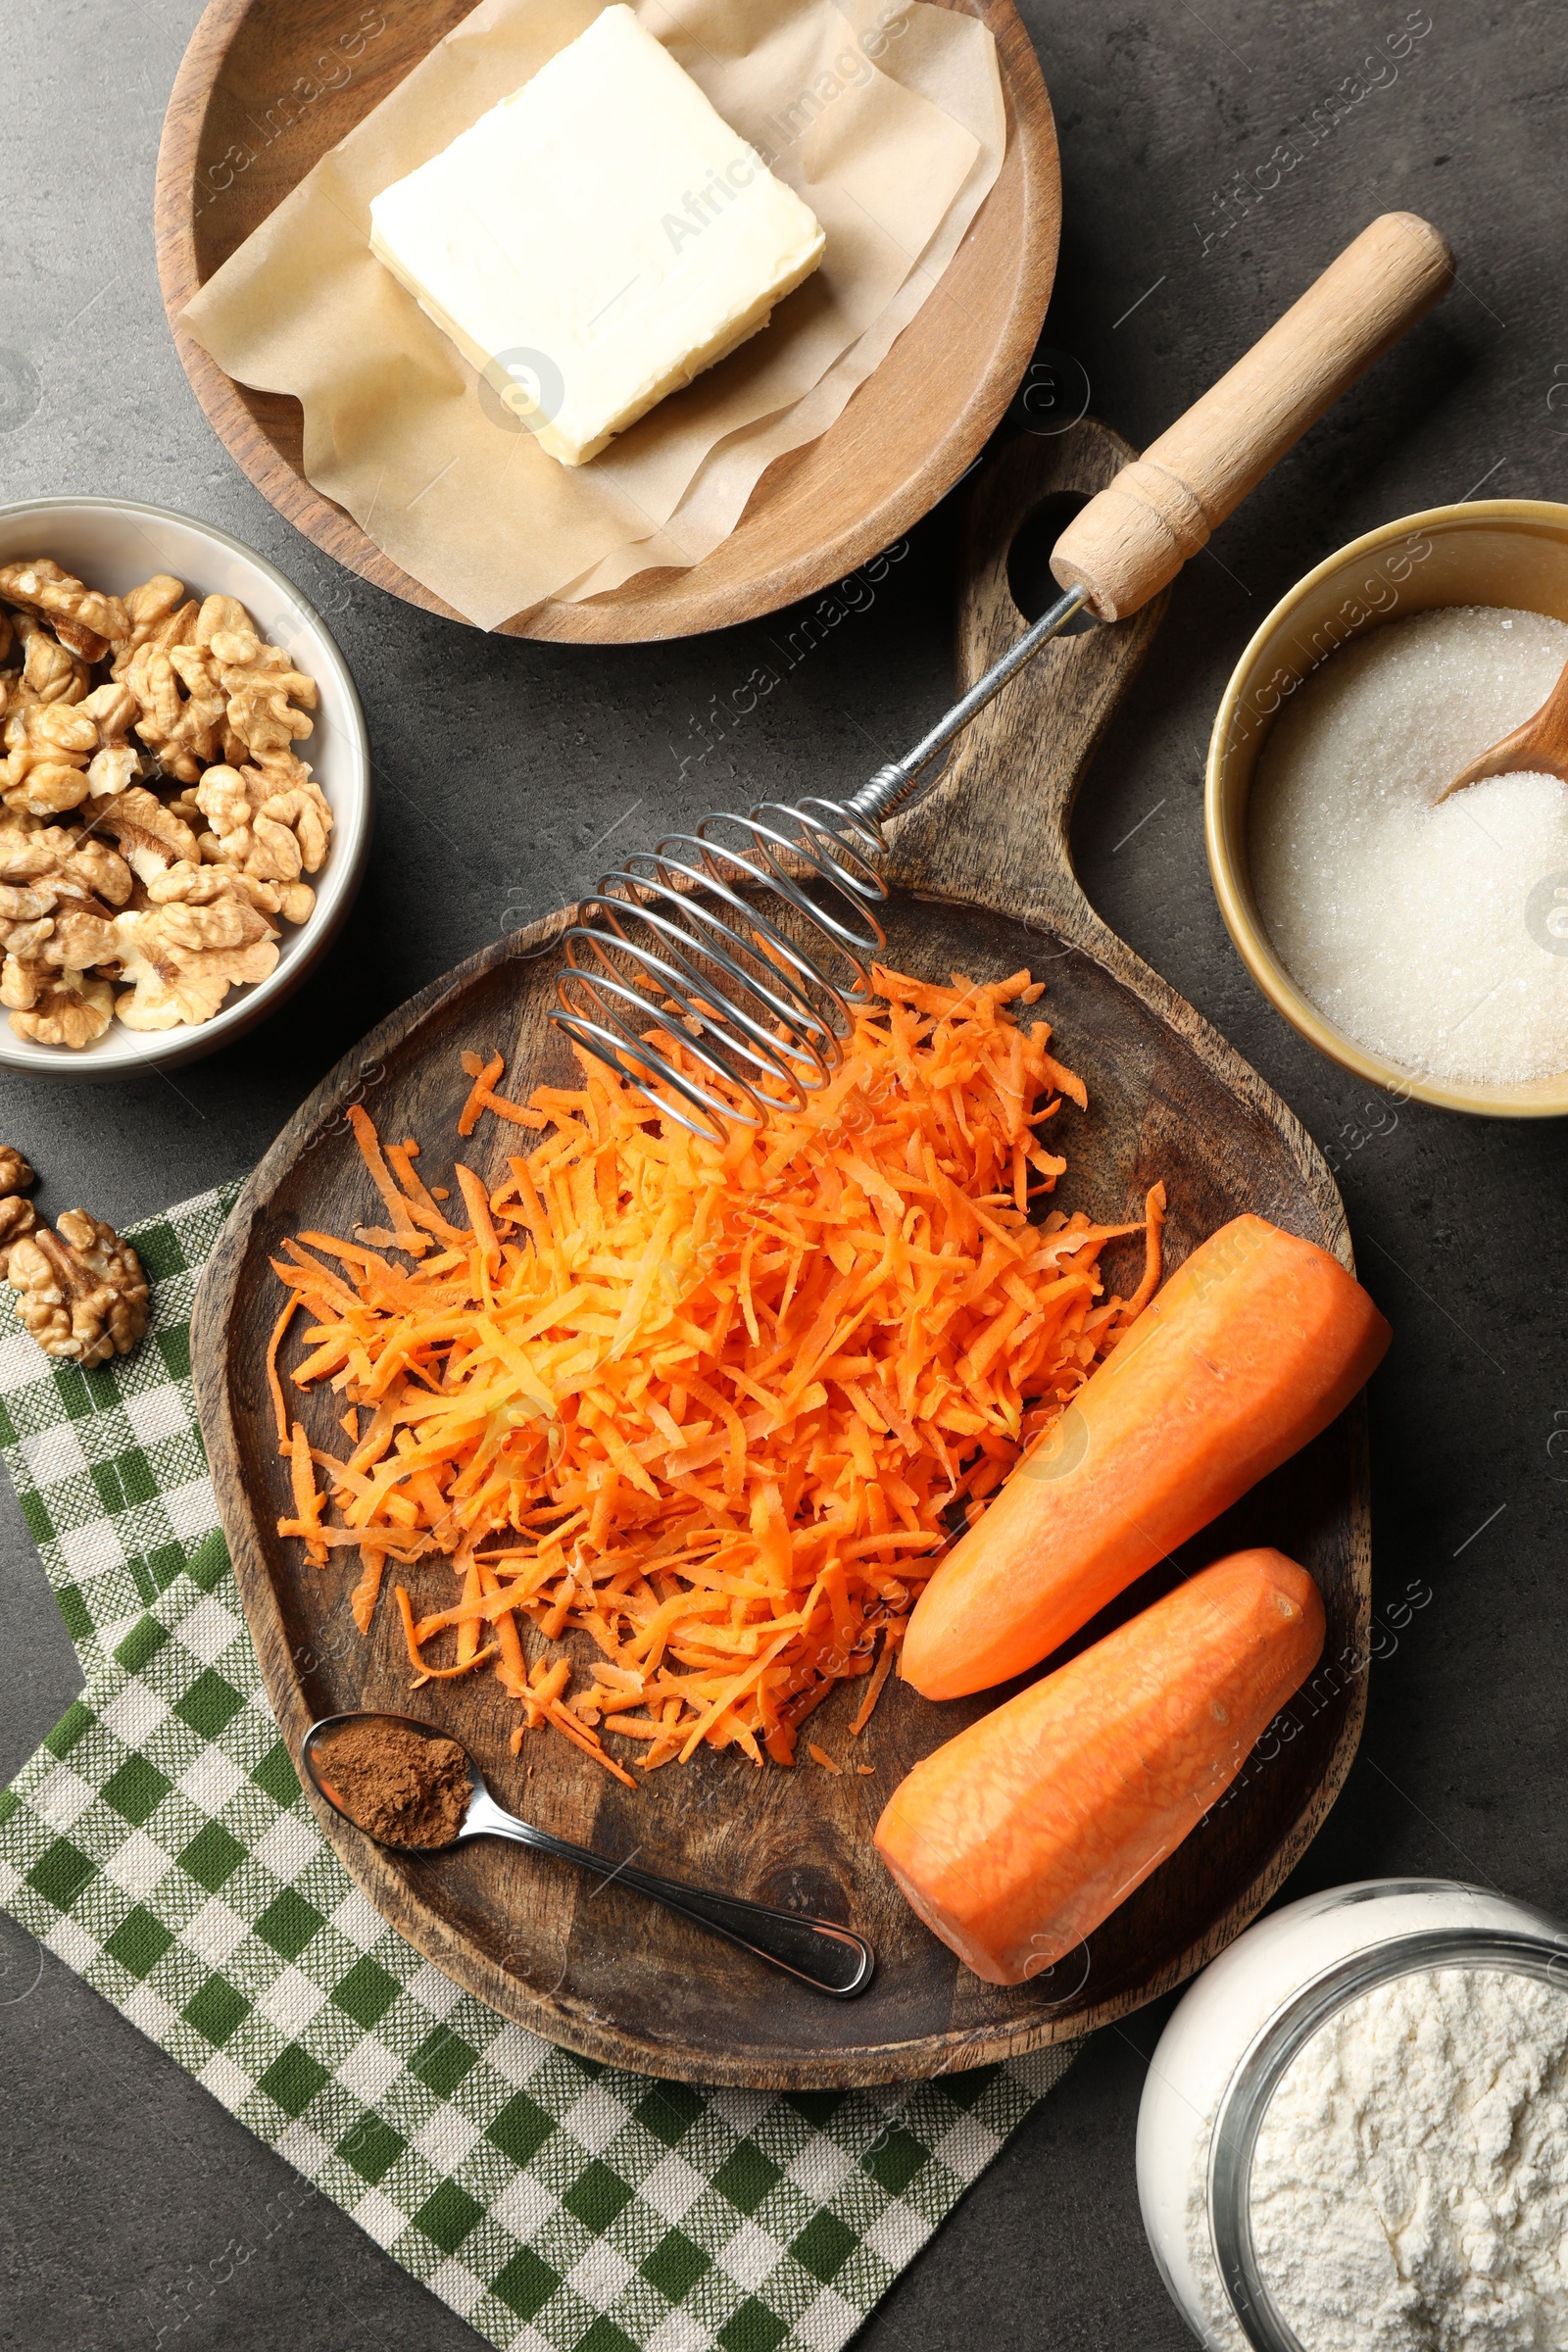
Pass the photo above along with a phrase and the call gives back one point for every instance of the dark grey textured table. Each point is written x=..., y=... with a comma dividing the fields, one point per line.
x=500, y=769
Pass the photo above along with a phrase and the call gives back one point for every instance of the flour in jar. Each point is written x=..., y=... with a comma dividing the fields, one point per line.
x=1409, y=2185
x=1436, y=937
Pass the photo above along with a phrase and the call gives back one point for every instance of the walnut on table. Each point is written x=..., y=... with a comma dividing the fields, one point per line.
x=17, y=1215
x=18, y=1218
x=82, y=1290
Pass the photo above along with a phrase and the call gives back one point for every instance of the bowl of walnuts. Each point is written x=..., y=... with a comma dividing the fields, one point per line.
x=185, y=789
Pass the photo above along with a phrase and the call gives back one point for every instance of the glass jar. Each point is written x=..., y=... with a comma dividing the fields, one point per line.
x=1237, y=2030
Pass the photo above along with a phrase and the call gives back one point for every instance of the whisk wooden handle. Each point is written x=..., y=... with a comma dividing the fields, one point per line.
x=1136, y=536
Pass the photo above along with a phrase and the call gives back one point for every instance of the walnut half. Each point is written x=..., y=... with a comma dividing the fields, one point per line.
x=16, y=1176
x=82, y=1292
x=16, y=1217
x=55, y=1008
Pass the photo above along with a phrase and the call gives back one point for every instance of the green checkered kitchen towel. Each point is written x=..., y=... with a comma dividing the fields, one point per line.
x=157, y=1843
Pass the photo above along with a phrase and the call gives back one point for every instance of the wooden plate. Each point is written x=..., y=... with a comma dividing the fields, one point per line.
x=601, y=1970
x=266, y=87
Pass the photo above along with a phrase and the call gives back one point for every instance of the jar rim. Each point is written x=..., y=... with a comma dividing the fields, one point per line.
x=1541, y=1954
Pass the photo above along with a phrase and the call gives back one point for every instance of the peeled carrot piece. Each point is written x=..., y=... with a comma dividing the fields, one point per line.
x=1020, y=1835
x=1251, y=1347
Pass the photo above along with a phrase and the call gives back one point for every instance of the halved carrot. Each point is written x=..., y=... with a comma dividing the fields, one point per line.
x=1251, y=1347
x=1014, y=1841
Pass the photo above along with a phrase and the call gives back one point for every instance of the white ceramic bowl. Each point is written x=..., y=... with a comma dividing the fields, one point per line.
x=112, y=544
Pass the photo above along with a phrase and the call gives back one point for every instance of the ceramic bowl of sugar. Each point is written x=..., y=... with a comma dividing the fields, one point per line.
x=1424, y=948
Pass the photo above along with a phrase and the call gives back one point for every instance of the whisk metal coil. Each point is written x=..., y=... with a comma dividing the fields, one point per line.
x=693, y=940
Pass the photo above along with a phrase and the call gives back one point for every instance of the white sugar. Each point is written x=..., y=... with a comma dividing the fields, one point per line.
x=1436, y=937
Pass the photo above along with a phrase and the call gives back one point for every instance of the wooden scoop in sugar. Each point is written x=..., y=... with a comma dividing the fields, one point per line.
x=1540, y=748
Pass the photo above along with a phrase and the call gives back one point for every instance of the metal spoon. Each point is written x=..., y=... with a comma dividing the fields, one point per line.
x=829, y=1959
x=1538, y=748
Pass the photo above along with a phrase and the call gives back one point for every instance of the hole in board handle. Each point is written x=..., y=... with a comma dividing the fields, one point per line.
x=1030, y=580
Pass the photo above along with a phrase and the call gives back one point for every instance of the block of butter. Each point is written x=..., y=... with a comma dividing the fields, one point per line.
x=597, y=239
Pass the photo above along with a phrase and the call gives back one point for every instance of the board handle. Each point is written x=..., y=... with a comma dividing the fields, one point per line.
x=1133, y=539
x=992, y=831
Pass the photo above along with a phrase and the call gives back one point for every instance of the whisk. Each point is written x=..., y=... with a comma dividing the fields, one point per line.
x=751, y=939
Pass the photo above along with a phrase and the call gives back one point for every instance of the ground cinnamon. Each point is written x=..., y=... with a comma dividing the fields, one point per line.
x=394, y=1782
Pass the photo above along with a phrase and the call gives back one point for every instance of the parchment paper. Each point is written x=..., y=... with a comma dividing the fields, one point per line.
x=885, y=118
x=964, y=81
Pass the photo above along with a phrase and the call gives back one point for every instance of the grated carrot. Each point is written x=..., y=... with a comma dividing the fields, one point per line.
x=879, y=1676
x=485, y=1098
x=307, y=1499
x=707, y=1412
x=274, y=1384
x=362, y=1599
x=381, y=1176
x=484, y=1075
x=468, y=1629
x=477, y=1201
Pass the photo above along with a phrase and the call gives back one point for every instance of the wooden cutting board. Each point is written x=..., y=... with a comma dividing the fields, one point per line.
x=985, y=885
